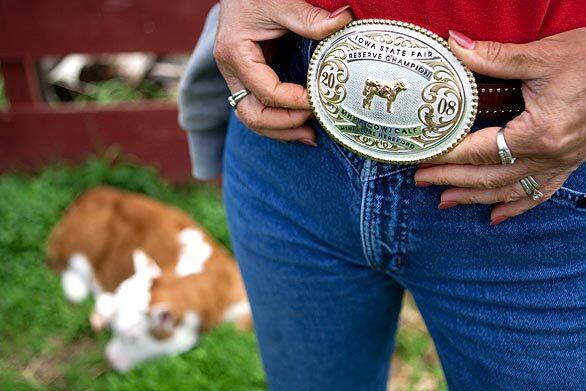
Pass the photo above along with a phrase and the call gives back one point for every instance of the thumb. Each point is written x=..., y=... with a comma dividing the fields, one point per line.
x=312, y=22
x=502, y=60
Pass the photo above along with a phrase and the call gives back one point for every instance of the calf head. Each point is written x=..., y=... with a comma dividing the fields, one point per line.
x=400, y=85
x=141, y=331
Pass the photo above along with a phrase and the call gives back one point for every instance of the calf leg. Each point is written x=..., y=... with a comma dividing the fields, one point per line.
x=77, y=279
x=366, y=103
x=239, y=314
x=103, y=312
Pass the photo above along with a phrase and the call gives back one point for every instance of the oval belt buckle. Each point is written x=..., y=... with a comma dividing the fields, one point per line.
x=391, y=91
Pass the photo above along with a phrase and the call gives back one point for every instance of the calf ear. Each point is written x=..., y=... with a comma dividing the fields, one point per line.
x=144, y=265
x=162, y=320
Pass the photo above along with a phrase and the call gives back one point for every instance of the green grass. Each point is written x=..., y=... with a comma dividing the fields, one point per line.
x=111, y=91
x=416, y=351
x=47, y=344
x=115, y=91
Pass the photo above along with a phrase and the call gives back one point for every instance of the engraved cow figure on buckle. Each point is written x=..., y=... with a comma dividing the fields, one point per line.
x=388, y=91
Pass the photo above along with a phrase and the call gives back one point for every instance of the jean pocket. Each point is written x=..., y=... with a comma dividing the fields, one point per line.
x=570, y=198
x=573, y=192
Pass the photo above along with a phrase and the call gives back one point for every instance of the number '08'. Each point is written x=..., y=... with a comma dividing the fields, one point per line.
x=446, y=107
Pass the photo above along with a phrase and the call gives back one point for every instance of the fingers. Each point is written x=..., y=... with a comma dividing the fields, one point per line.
x=312, y=22
x=525, y=136
x=465, y=175
x=276, y=123
x=476, y=148
x=304, y=134
x=504, y=211
x=462, y=196
x=541, y=134
x=239, y=55
x=263, y=82
x=502, y=60
x=245, y=63
x=511, y=200
x=257, y=116
x=273, y=108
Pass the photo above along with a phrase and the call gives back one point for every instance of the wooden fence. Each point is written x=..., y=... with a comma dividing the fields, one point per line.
x=33, y=133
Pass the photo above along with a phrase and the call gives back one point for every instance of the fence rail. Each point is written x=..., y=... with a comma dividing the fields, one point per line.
x=33, y=132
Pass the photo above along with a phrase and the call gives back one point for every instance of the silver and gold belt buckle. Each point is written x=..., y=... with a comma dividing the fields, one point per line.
x=391, y=91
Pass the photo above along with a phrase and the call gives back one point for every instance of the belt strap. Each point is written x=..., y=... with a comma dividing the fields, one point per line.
x=498, y=99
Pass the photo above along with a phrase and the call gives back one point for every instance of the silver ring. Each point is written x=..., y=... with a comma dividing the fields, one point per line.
x=504, y=151
x=526, y=187
x=531, y=187
x=237, y=97
x=533, y=182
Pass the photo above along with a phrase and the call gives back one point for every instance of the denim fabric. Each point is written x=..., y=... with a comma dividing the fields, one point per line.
x=328, y=242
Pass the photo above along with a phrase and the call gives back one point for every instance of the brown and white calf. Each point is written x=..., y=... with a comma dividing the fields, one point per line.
x=157, y=277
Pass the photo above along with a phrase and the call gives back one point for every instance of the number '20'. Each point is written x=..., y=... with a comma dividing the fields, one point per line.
x=328, y=79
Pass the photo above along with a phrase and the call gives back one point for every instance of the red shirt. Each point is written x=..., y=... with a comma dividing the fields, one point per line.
x=495, y=20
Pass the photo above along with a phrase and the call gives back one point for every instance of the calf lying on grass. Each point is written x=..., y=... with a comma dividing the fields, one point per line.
x=157, y=278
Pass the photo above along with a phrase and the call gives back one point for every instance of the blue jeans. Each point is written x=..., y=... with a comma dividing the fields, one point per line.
x=328, y=242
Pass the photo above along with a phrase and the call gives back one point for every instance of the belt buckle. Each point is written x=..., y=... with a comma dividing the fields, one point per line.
x=391, y=91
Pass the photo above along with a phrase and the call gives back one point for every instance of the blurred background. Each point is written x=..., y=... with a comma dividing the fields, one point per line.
x=88, y=97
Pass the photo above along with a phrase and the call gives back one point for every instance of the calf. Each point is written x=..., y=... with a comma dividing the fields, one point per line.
x=386, y=90
x=158, y=278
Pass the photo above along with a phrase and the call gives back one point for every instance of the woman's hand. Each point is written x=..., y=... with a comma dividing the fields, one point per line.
x=548, y=138
x=274, y=109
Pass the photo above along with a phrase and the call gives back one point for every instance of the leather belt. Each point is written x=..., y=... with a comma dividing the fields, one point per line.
x=499, y=100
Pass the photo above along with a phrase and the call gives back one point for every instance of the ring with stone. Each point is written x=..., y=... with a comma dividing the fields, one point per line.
x=537, y=195
x=531, y=187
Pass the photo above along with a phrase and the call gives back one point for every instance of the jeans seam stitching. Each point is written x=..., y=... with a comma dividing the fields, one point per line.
x=376, y=221
x=398, y=171
x=365, y=219
x=403, y=226
x=364, y=223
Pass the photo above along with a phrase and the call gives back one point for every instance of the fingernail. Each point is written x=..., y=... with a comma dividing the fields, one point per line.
x=426, y=165
x=447, y=205
x=309, y=142
x=338, y=11
x=423, y=184
x=498, y=220
x=462, y=40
